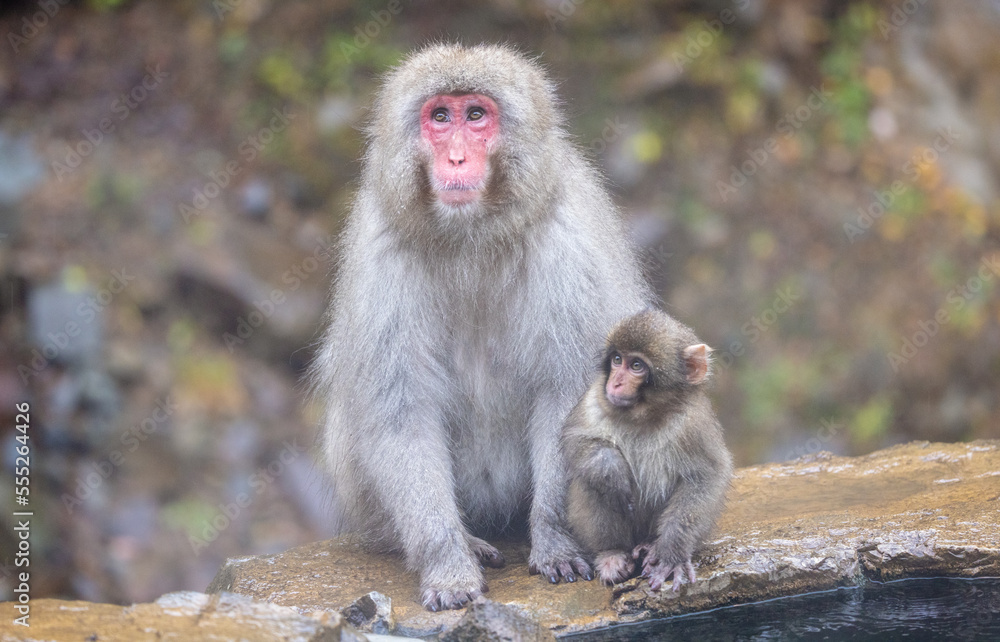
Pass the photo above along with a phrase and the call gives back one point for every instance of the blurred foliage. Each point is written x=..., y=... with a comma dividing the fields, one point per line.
x=188, y=516
x=281, y=74
x=872, y=421
x=843, y=67
x=106, y=5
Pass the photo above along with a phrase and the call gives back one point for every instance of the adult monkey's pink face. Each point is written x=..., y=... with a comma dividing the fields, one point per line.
x=461, y=130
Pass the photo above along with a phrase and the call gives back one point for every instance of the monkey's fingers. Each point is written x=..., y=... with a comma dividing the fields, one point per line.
x=656, y=580
x=660, y=574
x=650, y=560
x=488, y=555
x=582, y=568
x=649, y=564
x=565, y=569
x=574, y=567
x=493, y=559
x=678, y=578
x=548, y=570
x=679, y=571
x=434, y=600
x=641, y=550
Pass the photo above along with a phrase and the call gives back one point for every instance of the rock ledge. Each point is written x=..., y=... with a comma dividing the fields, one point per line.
x=815, y=523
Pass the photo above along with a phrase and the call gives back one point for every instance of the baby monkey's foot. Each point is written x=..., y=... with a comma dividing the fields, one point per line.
x=613, y=567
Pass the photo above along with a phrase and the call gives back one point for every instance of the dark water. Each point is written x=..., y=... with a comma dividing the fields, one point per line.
x=924, y=609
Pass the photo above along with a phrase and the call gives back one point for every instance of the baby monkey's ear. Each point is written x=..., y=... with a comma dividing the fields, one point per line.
x=696, y=360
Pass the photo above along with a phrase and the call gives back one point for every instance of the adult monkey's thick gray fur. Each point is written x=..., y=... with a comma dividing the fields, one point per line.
x=460, y=336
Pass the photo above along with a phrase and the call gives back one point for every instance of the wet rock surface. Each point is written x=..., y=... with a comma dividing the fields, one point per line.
x=371, y=612
x=184, y=615
x=488, y=620
x=818, y=522
x=915, y=510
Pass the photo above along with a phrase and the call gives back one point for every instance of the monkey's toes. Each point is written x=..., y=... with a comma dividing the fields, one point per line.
x=679, y=574
x=550, y=571
x=574, y=567
x=657, y=576
x=583, y=568
x=642, y=550
x=650, y=560
x=659, y=573
x=493, y=559
x=488, y=555
x=565, y=569
x=434, y=600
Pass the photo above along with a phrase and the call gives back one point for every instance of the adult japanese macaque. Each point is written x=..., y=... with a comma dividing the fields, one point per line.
x=648, y=468
x=481, y=263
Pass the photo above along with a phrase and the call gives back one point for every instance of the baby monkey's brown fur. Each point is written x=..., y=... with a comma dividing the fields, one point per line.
x=648, y=467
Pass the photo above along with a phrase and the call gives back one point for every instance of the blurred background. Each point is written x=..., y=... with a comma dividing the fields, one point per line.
x=814, y=185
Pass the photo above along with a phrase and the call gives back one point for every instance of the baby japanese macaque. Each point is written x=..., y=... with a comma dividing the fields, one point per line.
x=648, y=467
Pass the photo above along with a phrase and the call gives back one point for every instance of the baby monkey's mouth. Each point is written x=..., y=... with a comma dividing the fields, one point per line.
x=622, y=402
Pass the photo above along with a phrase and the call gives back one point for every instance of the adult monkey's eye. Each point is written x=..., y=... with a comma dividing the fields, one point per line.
x=440, y=115
x=476, y=113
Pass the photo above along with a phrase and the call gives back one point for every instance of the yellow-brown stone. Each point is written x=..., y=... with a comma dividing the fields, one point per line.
x=818, y=522
x=815, y=523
